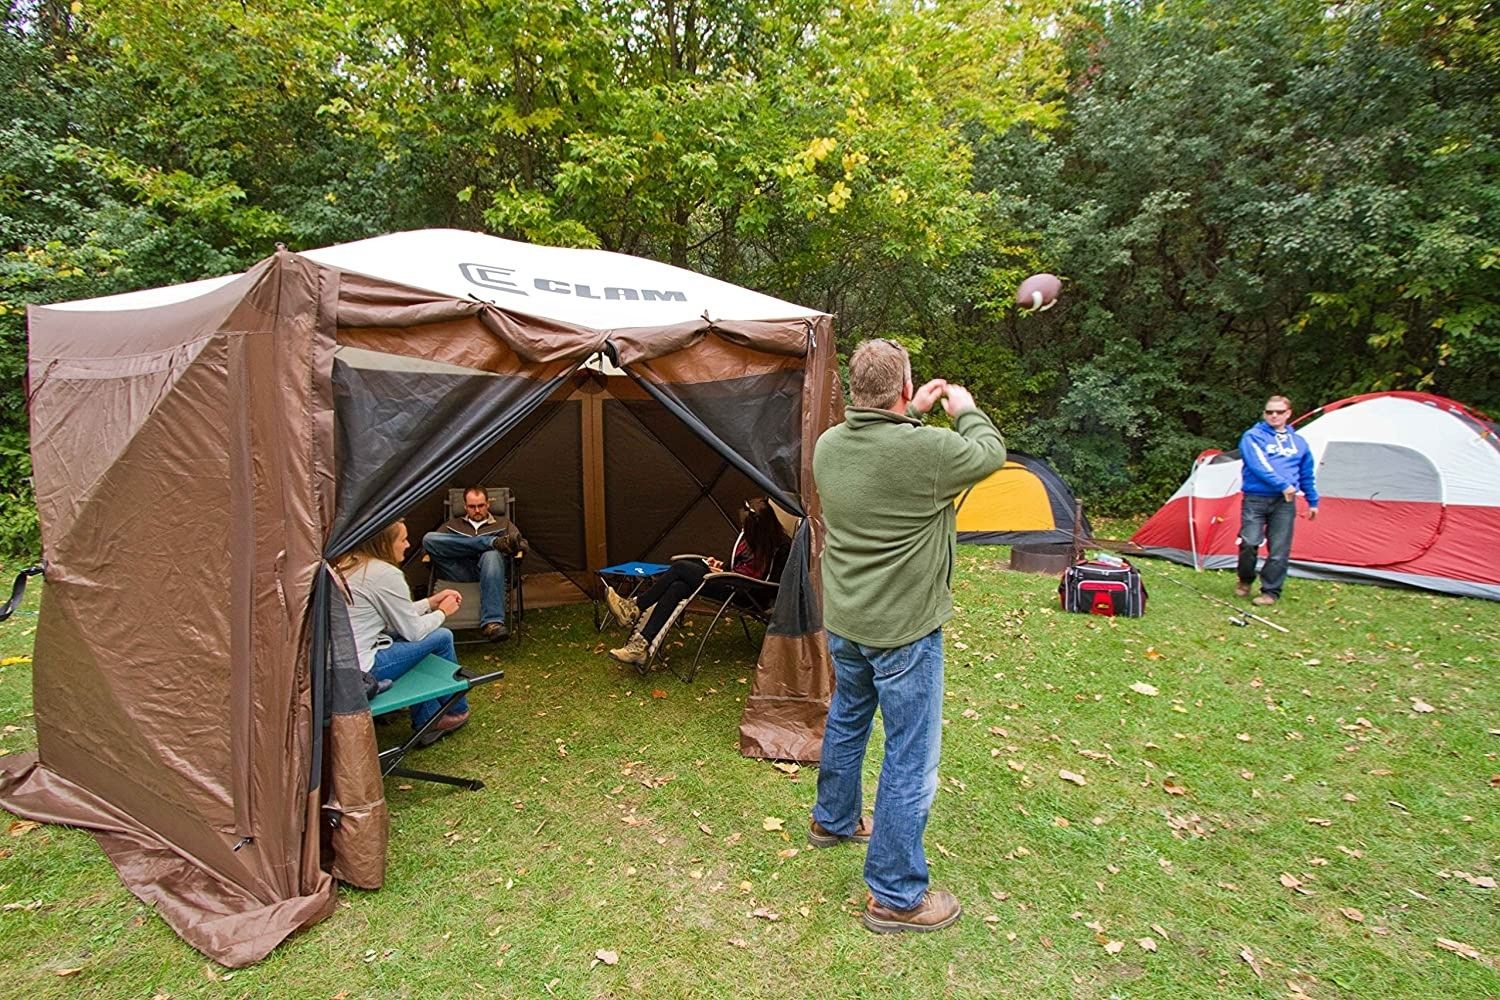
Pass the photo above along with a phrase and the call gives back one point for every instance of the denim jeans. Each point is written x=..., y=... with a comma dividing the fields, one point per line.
x=907, y=685
x=400, y=656
x=1269, y=520
x=471, y=559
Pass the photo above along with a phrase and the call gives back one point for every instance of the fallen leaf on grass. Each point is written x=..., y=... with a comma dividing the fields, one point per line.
x=1418, y=705
x=11, y=661
x=1295, y=884
x=1151, y=653
x=1114, y=947
x=1015, y=765
x=786, y=767
x=1458, y=948
x=605, y=956
x=790, y=852
x=739, y=943
x=21, y=826
x=1319, y=821
x=1076, y=779
x=765, y=913
x=1249, y=958
x=773, y=823
x=1173, y=788
x=70, y=972
x=658, y=693
x=1353, y=914
x=1141, y=687
x=1146, y=944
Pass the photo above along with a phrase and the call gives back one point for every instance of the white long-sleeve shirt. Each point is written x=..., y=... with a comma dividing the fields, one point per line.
x=383, y=606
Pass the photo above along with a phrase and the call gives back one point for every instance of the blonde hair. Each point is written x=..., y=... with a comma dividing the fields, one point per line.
x=381, y=545
x=1283, y=401
x=878, y=370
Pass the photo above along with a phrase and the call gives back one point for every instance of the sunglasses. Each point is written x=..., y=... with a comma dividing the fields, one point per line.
x=1272, y=413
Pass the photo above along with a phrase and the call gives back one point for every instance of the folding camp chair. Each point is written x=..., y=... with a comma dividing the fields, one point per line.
x=502, y=507
x=433, y=677
x=745, y=596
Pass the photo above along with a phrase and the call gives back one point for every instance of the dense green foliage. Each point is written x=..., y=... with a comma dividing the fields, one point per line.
x=1280, y=194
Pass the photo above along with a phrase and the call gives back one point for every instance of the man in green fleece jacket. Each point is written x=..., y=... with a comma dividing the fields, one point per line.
x=888, y=486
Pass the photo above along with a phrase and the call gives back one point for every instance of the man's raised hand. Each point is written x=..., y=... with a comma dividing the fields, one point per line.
x=956, y=399
x=927, y=396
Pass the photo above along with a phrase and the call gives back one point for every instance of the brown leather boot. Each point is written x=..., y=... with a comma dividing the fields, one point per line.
x=1241, y=589
x=818, y=835
x=938, y=909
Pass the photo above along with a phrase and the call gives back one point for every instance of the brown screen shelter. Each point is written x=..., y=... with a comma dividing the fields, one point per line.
x=274, y=419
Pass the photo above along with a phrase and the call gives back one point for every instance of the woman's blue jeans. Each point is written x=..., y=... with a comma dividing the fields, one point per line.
x=400, y=656
x=906, y=683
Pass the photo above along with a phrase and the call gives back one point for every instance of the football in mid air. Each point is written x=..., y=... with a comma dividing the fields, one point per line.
x=1039, y=292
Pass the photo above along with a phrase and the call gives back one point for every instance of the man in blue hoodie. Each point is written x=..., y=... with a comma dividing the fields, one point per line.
x=1277, y=466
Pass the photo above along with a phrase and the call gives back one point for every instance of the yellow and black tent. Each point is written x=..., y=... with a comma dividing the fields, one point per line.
x=1024, y=503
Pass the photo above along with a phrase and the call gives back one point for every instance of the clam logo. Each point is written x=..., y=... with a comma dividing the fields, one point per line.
x=503, y=279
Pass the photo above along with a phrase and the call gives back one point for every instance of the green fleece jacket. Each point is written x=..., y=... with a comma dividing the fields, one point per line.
x=888, y=485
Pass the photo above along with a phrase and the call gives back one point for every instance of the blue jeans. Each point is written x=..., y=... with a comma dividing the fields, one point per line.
x=907, y=685
x=1269, y=520
x=400, y=656
x=471, y=559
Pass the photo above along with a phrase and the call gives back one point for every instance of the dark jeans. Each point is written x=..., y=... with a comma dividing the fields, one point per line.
x=1269, y=520
x=671, y=589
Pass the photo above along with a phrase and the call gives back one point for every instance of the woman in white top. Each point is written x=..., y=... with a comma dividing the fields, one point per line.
x=392, y=632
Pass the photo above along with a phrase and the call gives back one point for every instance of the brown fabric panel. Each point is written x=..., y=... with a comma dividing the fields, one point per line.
x=187, y=744
x=752, y=338
x=357, y=795
x=219, y=918
x=788, y=703
x=397, y=320
x=709, y=358
x=54, y=334
x=785, y=713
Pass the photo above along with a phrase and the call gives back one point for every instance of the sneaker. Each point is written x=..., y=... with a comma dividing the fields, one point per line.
x=623, y=608
x=450, y=722
x=1242, y=590
x=1264, y=600
x=633, y=652
x=819, y=836
x=938, y=909
x=495, y=631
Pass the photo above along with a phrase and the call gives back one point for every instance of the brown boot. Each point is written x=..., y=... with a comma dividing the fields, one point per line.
x=1242, y=589
x=633, y=652
x=1264, y=600
x=938, y=909
x=818, y=835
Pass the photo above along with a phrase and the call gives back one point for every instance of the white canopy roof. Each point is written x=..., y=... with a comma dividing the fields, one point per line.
x=589, y=288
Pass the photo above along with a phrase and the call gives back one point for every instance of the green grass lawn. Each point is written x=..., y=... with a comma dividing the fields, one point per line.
x=1289, y=814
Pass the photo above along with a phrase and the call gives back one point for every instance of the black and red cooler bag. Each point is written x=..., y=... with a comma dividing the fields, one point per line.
x=1097, y=588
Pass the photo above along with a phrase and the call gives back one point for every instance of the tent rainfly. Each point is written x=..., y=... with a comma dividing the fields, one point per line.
x=1024, y=502
x=1410, y=494
x=197, y=704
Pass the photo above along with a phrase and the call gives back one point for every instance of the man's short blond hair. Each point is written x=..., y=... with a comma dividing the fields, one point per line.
x=878, y=370
x=1283, y=401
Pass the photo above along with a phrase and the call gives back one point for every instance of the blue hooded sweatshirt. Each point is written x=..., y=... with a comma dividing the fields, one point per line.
x=1273, y=461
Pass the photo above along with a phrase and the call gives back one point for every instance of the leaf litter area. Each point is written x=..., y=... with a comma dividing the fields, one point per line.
x=1164, y=807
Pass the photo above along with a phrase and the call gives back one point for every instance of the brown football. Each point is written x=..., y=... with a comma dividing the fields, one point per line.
x=1039, y=292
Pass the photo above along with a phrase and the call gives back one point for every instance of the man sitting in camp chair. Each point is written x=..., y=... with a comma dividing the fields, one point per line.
x=758, y=556
x=473, y=548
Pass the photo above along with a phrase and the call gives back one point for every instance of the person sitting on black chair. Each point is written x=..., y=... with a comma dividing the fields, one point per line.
x=759, y=553
x=473, y=547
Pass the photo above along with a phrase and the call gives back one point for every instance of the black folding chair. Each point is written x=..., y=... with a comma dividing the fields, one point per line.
x=733, y=593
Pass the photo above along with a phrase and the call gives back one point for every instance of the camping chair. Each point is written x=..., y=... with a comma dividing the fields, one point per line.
x=503, y=507
x=434, y=677
x=746, y=597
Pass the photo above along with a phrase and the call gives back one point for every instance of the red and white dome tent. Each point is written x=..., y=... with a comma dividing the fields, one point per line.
x=1410, y=494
